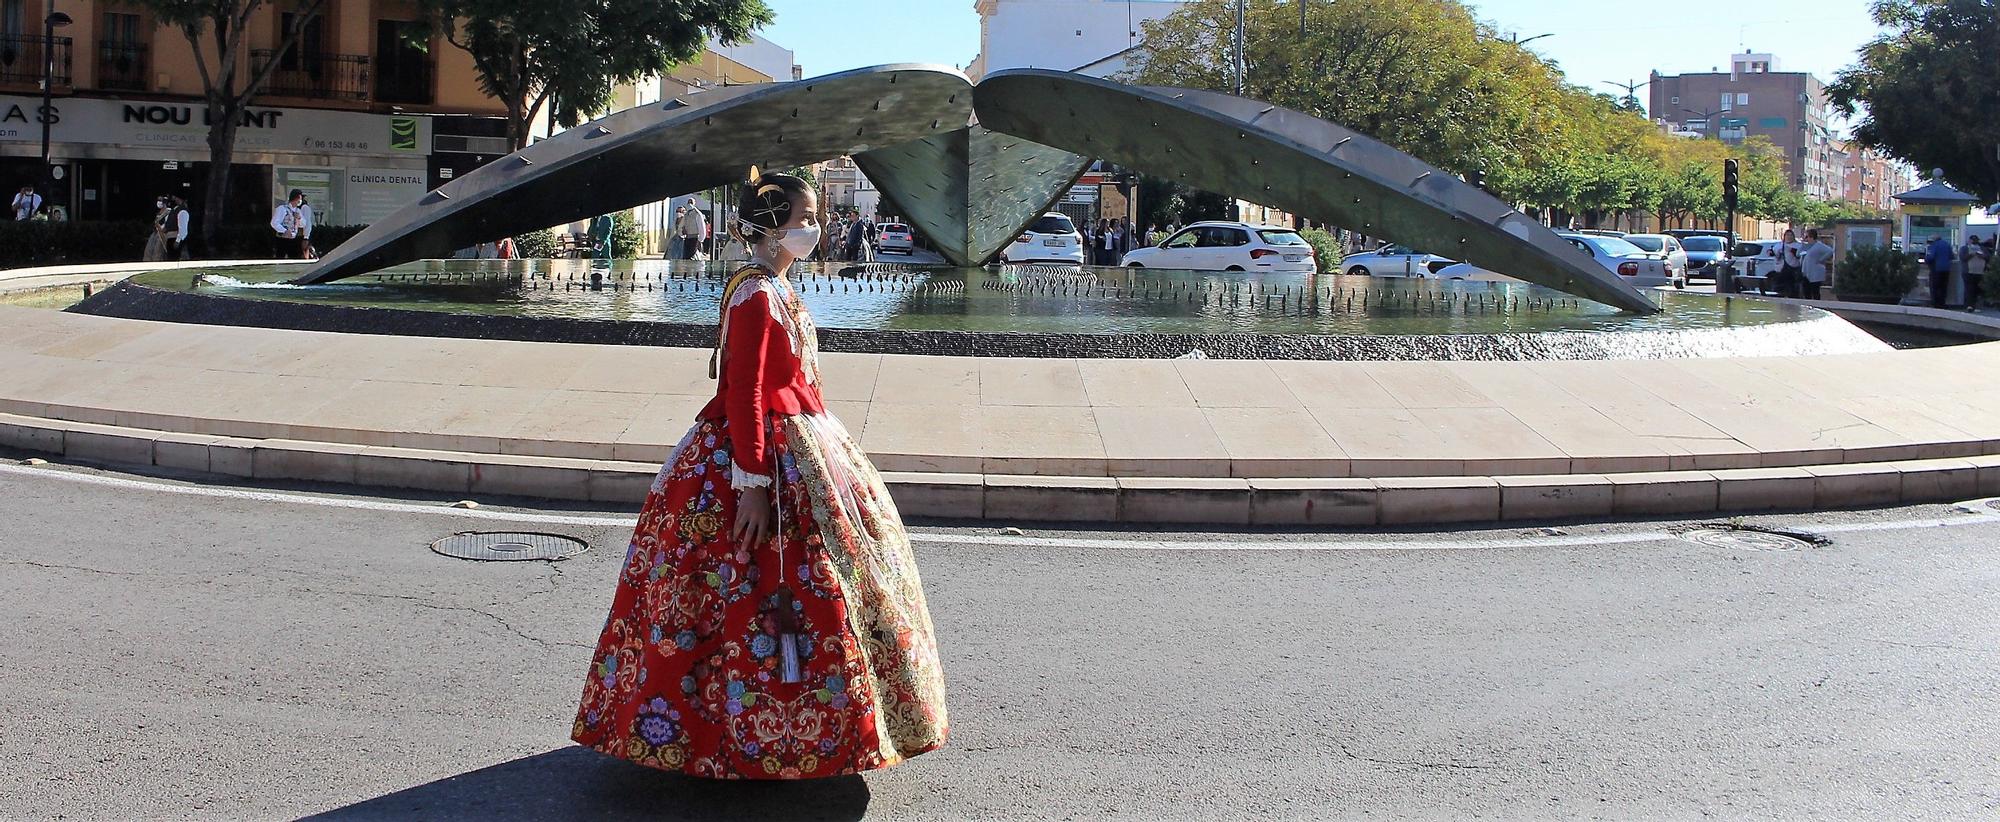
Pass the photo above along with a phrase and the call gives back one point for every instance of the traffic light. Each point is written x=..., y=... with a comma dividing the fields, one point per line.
x=1729, y=184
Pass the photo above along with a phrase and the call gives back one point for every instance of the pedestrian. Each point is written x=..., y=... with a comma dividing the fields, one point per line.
x=857, y=241
x=769, y=621
x=177, y=228
x=1939, y=255
x=1975, y=259
x=693, y=227
x=1110, y=244
x=306, y=223
x=1817, y=262
x=27, y=203
x=1786, y=274
x=156, y=240
x=288, y=227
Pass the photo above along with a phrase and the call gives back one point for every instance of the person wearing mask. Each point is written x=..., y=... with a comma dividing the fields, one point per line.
x=177, y=228
x=1817, y=261
x=1939, y=254
x=1787, y=279
x=1975, y=260
x=26, y=204
x=289, y=223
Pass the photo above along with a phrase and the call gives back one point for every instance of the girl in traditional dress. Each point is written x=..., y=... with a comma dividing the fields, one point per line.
x=769, y=622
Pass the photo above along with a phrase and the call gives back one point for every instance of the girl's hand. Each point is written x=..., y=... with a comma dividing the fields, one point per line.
x=752, y=527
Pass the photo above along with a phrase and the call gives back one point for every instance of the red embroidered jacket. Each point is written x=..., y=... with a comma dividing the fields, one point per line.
x=768, y=367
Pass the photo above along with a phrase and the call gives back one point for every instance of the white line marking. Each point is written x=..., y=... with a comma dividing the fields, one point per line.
x=937, y=538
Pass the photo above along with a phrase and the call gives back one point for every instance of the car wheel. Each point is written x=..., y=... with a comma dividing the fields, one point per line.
x=1234, y=268
x=1135, y=265
x=1358, y=271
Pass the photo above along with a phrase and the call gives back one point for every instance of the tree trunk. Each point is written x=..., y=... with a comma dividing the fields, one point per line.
x=221, y=156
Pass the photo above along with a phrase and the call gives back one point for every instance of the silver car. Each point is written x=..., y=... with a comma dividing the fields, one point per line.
x=1667, y=247
x=1393, y=261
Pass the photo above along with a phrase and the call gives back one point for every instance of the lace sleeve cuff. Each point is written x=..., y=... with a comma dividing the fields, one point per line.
x=740, y=479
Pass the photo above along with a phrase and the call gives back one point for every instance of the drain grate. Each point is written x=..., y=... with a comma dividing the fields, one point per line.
x=506, y=547
x=1748, y=538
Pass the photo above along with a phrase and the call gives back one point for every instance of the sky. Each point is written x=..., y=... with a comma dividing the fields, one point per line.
x=1593, y=40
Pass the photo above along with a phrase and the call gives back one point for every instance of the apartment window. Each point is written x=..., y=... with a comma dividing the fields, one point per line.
x=121, y=53
x=402, y=68
x=13, y=17
x=310, y=45
x=1728, y=101
x=1674, y=100
x=1743, y=98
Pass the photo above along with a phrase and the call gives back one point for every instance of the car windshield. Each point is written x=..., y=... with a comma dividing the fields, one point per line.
x=1702, y=243
x=1282, y=237
x=1612, y=246
x=1647, y=243
x=1053, y=224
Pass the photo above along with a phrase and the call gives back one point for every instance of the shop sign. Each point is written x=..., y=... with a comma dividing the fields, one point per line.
x=184, y=126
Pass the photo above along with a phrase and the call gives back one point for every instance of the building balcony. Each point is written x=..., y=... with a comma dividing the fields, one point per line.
x=315, y=75
x=121, y=66
x=22, y=55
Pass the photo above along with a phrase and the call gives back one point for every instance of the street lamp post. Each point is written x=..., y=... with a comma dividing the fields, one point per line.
x=54, y=21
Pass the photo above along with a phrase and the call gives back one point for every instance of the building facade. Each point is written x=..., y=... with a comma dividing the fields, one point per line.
x=1064, y=35
x=1755, y=99
x=1873, y=179
x=354, y=114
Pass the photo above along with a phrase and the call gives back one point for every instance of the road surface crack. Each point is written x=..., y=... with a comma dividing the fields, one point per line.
x=57, y=567
x=1412, y=762
x=496, y=618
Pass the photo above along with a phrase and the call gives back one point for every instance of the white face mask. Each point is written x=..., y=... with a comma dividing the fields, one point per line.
x=800, y=241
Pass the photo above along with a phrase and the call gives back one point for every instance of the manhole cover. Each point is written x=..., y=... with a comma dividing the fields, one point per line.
x=1980, y=506
x=503, y=547
x=1751, y=539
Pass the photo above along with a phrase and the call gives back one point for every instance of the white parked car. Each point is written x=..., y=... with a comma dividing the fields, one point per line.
x=1668, y=248
x=1468, y=271
x=1393, y=261
x=1631, y=263
x=1223, y=246
x=895, y=237
x=1052, y=238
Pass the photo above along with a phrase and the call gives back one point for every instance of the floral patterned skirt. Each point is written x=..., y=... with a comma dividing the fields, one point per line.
x=699, y=670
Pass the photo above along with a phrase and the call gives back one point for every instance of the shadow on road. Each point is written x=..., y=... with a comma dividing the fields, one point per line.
x=577, y=783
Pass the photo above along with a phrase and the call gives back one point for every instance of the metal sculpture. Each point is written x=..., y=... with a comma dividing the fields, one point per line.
x=972, y=187
x=1284, y=158
x=647, y=154
x=971, y=191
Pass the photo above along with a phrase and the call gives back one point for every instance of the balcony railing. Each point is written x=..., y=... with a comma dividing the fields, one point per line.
x=121, y=65
x=317, y=76
x=21, y=59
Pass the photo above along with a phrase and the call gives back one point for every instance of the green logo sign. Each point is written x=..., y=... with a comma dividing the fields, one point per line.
x=403, y=133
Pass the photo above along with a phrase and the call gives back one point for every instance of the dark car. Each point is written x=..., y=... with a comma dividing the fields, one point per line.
x=1706, y=254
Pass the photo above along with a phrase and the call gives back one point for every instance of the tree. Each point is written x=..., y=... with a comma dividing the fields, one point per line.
x=529, y=51
x=1421, y=75
x=1928, y=88
x=229, y=79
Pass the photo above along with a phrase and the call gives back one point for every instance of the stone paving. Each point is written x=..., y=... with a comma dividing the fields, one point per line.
x=1441, y=436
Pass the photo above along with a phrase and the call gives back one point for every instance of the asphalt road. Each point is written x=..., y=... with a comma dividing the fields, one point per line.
x=177, y=655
